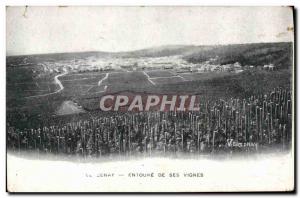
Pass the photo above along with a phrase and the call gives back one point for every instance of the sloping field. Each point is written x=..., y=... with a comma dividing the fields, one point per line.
x=208, y=86
x=167, y=80
x=204, y=76
x=23, y=82
x=82, y=76
x=127, y=81
x=30, y=89
x=77, y=84
x=160, y=73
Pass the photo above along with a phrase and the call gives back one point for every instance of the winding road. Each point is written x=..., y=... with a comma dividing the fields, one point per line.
x=57, y=81
x=105, y=77
x=101, y=81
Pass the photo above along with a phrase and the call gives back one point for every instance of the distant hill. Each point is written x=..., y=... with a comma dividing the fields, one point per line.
x=167, y=50
x=36, y=58
x=280, y=54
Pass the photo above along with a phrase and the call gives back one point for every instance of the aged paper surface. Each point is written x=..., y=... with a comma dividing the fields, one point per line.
x=149, y=99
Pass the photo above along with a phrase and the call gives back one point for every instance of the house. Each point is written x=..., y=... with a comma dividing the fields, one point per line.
x=269, y=67
x=107, y=68
x=237, y=65
x=266, y=67
x=238, y=71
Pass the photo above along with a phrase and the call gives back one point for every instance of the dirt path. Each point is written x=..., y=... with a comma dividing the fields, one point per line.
x=105, y=77
x=57, y=81
x=149, y=79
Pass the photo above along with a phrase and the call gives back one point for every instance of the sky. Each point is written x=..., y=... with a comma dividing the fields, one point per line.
x=38, y=30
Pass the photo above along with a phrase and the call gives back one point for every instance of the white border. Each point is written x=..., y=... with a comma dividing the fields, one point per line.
x=4, y=3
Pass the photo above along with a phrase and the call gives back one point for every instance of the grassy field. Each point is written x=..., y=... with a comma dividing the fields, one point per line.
x=21, y=83
x=160, y=73
x=76, y=85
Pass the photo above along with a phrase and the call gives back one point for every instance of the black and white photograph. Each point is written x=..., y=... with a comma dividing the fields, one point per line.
x=150, y=98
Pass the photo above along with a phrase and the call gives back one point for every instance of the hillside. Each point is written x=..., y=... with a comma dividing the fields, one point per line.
x=37, y=58
x=167, y=50
x=279, y=54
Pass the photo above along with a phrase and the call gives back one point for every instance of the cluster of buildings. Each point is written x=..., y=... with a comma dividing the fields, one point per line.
x=93, y=64
x=135, y=64
x=234, y=67
x=209, y=67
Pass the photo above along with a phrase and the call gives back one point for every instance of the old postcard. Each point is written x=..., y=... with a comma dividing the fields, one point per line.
x=150, y=99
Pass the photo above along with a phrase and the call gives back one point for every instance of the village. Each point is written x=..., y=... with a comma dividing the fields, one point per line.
x=175, y=63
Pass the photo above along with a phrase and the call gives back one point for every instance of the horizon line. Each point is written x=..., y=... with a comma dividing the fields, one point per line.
x=152, y=47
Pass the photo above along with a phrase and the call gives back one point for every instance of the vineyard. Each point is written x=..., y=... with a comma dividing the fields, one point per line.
x=254, y=124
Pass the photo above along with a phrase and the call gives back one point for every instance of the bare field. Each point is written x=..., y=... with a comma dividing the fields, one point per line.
x=127, y=81
x=160, y=73
x=75, y=85
x=82, y=76
x=167, y=80
x=30, y=89
x=204, y=76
